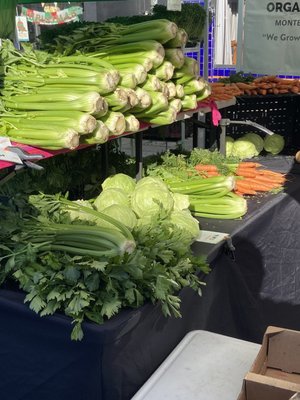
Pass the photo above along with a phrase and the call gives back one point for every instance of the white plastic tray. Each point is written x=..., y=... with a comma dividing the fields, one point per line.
x=204, y=366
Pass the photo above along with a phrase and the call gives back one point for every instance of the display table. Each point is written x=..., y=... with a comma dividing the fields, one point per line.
x=260, y=287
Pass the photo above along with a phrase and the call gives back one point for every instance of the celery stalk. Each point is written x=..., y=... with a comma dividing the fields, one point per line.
x=98, y=136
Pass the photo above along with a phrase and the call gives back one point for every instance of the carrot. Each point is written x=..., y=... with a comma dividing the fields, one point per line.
x=266, y=86
x=249, y=191
x=286, y=81
x=269, y=172
x=209, y=174
x=284, y=86
x=262, y=187
x=245, y=86
x=249, y=164
x=239, y=193
x=244, y=191
x=283, y=91
x=295, y=89
x=273, y=182
x=263, y=92
x=219, y=89
x=246, y=173
x=206, y=167
x=271, y=78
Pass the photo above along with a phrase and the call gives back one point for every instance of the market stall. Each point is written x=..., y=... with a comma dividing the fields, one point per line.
x=118, y=298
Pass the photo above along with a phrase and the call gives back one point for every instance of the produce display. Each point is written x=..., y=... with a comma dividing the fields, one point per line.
x=89, y=259
x=240, y=85
x=97, y=87
x=215, y=185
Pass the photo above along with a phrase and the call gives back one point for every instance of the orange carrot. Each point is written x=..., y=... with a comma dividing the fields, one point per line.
x=211, y=173
x=249, y=164
x=206, y=167
x=251, y=184
x=247, y=173
x=262, y=187
x=274, y=181
x=269, y=172
x=239, y=193
x=243, y=191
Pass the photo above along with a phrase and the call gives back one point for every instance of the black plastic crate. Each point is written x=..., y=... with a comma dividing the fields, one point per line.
x=279, y=113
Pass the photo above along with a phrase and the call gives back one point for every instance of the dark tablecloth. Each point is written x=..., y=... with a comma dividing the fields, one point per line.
x=38, y=361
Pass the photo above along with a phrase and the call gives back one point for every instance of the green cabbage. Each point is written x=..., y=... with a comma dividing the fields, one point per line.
x=274, y=144
x=181, y=201
x=76, y=214
x=150, y=197
x=111, y=196
x=257, y=140
x=120, y=181
x=152, y=180
x=122, y=214
x=229, y=145
x=243, y=148
x=185, y=221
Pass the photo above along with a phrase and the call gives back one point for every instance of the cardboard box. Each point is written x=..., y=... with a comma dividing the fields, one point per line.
x=275, y=373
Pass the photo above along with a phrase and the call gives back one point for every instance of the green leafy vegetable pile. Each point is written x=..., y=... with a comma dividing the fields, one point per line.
x=94, y=288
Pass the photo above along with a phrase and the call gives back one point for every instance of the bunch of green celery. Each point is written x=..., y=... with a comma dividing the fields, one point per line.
x=100, y=35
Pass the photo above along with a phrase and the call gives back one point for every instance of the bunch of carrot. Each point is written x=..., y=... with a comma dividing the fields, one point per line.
x=251, y=178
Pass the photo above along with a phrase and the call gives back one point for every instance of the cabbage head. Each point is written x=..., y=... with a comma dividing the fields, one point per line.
x=185, y=221
x=152, y=180
x=181, y=201
x=243, y=148
x=122, y=214
x=229, y=144
x=257, y=140
x=81, y=215
x=120, y=181
x=151, y=196
x=111, y=196
x=274, y=144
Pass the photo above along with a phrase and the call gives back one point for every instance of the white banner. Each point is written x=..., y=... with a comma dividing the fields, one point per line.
x=22, y=29
x=174, y=5
x=271, y=37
